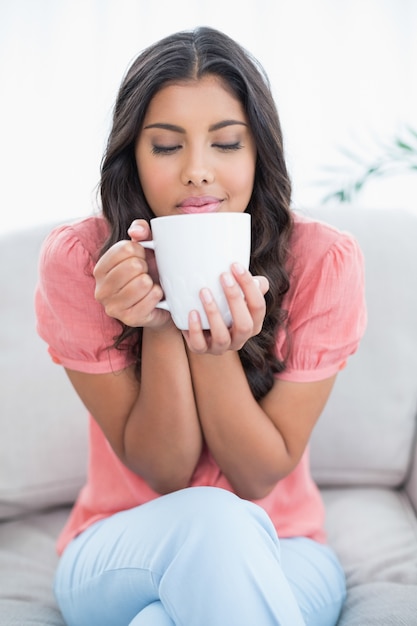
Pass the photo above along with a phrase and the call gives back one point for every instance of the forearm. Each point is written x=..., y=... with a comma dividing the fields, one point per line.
x=241, y=437
x=163, y=438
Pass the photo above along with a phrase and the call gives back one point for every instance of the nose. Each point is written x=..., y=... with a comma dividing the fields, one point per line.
x=197, y=171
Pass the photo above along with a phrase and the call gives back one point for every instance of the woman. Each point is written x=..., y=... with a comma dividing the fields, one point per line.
x=199, y=506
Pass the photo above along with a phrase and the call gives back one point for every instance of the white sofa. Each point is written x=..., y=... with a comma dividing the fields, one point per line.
x=363, y=452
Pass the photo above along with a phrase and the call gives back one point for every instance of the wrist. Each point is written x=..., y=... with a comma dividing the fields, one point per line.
x=164, y=330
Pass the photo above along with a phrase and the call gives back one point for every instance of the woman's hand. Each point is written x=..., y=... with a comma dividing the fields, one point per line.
x=127, y=284
x=245, y=296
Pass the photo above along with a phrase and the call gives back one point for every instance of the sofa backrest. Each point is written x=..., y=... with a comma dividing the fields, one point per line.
x=365, y=435
x=367, y=431
x=43, y=443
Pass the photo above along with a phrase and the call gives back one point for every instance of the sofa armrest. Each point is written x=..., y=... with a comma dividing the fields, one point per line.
x=411, y=484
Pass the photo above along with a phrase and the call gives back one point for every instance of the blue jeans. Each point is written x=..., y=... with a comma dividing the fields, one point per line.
x=197, y=557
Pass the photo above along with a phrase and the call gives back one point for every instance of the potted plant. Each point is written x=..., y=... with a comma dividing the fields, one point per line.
x=397, y=157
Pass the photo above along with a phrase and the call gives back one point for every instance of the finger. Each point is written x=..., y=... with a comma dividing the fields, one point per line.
x=253, y=293
x=243, y=324
x=263, y=283
x=195, y=336
x=133, y=310
x=144, y=312
x=126, y=294
x=245, y=278
x=116, y=279
x=139, y=230
x=220, y=338
x=118, y=253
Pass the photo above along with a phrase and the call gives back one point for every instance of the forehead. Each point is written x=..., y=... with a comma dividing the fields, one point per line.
x=208, y=97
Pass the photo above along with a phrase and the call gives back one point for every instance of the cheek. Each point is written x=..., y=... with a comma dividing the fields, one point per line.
x=153, y=181
x=243, y=179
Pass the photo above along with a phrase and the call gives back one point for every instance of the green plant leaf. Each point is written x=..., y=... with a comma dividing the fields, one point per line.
x=397, y=157
x=404, y=146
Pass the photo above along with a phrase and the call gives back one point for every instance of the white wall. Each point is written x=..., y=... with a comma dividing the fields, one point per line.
x=343, y=73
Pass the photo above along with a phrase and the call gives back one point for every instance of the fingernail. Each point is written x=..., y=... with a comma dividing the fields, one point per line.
x=239, y=269
x=137, y=228
x=206, y=295
x=258, y=282
x=194, y=317
x=228, y=279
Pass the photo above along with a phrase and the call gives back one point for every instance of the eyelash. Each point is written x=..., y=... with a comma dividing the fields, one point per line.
x=164, y=149
x=229, y=147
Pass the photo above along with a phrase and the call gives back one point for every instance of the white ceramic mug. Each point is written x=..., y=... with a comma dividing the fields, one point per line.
x=191, y=252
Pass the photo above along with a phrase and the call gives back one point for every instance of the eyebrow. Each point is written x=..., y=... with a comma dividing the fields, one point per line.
x=180, y=129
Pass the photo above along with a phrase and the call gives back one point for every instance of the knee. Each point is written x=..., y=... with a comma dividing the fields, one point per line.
x=217, y=510
x=212, y=504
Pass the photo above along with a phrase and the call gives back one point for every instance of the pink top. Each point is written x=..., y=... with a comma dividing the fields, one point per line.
x=327, y=317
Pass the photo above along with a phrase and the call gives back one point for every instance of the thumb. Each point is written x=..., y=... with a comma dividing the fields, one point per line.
x=262, y=283
x=139, y=230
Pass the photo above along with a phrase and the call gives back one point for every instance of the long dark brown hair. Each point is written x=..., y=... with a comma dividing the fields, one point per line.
x=191, y=55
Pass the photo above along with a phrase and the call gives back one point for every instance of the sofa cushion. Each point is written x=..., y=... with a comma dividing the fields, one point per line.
x=42, y=423
x=27, y=565
x=366, y=433
x=374, y=533
x=380, y=604
x=411, y=484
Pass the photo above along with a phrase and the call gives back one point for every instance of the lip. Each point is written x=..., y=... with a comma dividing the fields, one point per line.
x=200, y=204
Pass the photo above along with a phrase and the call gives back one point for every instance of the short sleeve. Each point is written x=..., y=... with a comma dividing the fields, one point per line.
x=326, y=312
x=78, y=332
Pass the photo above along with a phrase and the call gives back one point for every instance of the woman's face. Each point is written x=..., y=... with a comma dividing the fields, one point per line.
x=195, y=152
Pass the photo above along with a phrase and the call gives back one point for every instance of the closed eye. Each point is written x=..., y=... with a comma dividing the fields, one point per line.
x=164, y=149
x=228, y=147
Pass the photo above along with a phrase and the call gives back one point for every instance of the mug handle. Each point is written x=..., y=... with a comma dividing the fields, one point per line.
x=151, y=246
